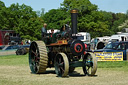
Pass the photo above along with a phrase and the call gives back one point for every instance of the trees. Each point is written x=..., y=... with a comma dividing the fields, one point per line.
x=123, y=25
x=119, y=19
x=55, y=18
x=2, y=14
x=22, y=19
x=89, y=18
x=28, y=23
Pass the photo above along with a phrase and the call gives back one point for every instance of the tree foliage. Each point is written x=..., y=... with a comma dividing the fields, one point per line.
x=55, y=18
x=89, y=18
x=119, y=18
x=28, y=23
x=22, y=19
x=123, y=25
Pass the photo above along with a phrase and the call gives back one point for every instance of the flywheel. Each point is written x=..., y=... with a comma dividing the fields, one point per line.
x=38, y=58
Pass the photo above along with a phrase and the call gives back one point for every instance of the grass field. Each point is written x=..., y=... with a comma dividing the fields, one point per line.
x=14, y=70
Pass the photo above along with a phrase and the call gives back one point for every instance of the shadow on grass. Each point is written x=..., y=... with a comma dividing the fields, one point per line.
x=76, y=74
x=50, y=72
x=73, y=74
x=47, y=72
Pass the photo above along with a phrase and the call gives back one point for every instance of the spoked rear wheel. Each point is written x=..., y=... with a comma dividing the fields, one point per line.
x=90, y=64
x=61, y=65
x=38, y=58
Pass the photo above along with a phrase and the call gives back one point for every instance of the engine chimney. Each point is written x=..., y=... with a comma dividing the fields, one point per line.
x=74, y=13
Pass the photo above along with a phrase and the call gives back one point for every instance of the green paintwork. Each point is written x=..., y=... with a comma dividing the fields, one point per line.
x=77, y=64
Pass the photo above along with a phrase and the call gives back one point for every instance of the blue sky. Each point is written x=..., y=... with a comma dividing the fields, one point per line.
x=112, y=5
x=106, y=5
x=36, y=4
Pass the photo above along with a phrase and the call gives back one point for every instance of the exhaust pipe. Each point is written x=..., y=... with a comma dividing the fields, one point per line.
x=74, y=14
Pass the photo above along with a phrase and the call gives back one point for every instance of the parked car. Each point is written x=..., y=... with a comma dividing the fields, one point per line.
x=22, y=50
x=115, y=47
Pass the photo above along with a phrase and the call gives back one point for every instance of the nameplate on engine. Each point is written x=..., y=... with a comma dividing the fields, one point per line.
x=76, y=35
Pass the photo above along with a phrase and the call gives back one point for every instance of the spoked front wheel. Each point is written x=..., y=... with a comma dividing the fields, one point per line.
x=90, y=62
x=61, y=64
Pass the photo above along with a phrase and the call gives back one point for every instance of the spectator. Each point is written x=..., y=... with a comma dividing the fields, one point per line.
x=44, y=30
x=63, y=30
x=52, y=31
x=67, y=27
x=44, y=34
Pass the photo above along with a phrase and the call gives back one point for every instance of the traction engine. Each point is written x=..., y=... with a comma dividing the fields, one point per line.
x=65, y=54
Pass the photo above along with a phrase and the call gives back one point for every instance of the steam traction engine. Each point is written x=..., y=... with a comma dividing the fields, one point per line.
x=65, y=54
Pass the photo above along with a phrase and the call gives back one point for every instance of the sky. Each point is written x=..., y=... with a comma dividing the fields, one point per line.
x=116, y=6
x=36, y=4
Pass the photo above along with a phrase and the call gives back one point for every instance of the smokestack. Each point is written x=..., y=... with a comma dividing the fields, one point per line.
x=74, y=13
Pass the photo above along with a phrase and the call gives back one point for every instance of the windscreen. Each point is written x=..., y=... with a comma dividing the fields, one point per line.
x=111, y=46
x=80, y=37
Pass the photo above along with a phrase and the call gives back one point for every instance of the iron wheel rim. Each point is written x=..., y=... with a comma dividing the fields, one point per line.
x=61, y=65
x=90, y=67
x=34, y=58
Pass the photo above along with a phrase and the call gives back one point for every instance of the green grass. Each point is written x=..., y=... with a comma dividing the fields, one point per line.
x=114, y=65
x=22, y=60
x=14, y=70
x=14, y=60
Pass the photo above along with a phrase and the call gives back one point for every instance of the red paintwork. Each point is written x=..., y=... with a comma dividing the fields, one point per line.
x=4, y=37
x=1, y=43
x=76, y=46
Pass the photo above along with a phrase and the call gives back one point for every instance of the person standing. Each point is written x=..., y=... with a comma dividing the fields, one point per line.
x=67, y=27
x=44, y=30
x=63, y=30
x=44, y=33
